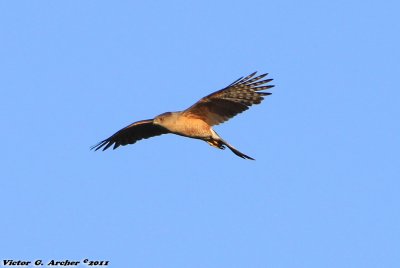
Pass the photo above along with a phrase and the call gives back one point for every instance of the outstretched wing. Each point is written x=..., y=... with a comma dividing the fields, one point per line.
x=139, y=130
x=224, y=104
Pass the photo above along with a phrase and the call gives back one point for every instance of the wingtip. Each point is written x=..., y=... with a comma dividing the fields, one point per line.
x=253, y=74
x=94, y=147
x=99, y=146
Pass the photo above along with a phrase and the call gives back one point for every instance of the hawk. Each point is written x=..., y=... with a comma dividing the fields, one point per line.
x=196, y=121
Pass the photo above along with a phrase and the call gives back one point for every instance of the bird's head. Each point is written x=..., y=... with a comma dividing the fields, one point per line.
x=164, y=119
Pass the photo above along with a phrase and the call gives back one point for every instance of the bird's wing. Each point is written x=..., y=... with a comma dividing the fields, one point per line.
x=224, y=104
x=139, y=130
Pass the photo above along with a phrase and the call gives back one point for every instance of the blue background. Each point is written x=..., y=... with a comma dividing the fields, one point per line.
x=323, y=192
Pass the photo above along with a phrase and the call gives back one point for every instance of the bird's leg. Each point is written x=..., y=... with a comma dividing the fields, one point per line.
x=216, y=143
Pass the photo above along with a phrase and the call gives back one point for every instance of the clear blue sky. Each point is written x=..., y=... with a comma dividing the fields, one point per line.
x=323, y=192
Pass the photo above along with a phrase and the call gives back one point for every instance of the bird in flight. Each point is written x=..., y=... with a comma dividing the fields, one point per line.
x=196, y=121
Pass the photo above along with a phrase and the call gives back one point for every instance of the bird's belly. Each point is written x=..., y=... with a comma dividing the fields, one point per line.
x=192, y=128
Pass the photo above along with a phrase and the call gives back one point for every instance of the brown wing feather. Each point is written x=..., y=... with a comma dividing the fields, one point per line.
x=139, y=130
x=224, y=104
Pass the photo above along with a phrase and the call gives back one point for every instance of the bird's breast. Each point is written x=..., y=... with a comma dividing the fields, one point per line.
x=191, y=127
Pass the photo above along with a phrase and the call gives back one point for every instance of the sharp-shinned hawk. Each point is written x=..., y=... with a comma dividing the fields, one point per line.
x=197, y=121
